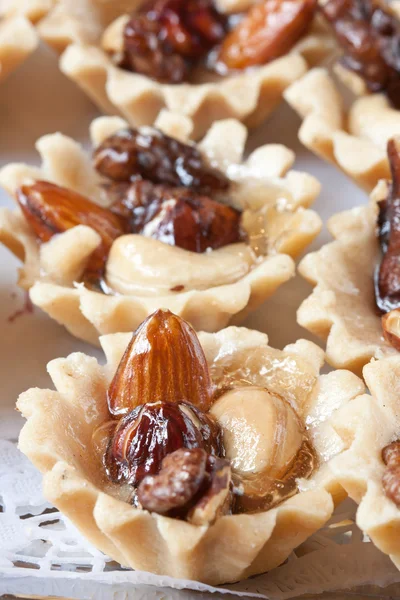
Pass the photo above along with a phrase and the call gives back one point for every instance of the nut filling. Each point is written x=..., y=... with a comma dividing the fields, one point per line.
x=167, y=39
x=387, y=284
x=391, y=477
x=156, y=187
x=181, y=446
x=370, y=38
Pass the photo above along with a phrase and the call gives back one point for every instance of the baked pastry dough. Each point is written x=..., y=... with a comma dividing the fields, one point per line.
x=235, y=546
x=18, y=37
x=342, y=306
x=250, y=97
x=372, y=422
x=354, y=139
x=220, y=285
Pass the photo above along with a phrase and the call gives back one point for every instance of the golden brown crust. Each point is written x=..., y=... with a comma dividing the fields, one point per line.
x=261, y=181
x=73, y=478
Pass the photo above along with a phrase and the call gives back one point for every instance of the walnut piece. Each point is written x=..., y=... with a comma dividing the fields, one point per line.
x=191, y=484
x=370, y=37
x=165, y=39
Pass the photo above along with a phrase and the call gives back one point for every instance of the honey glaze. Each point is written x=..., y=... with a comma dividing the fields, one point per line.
x=274, y=491
x=186, y=446
x=285, y=375
x=266, y=444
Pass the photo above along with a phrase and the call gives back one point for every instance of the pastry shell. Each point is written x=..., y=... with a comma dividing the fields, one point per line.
x=249, y=97
x=342, y=307
x=264, y=178
x=372, y=422
x=18, y=36
x=233, y=548
x=353, y=139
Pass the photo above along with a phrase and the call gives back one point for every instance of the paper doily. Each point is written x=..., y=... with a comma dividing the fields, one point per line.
x=41, y=552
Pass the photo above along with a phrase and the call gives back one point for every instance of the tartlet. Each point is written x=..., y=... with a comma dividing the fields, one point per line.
x=207, y=289
x=353, y=135
x=279, y=465
x=355, y=304
x=88, y=33
x=369, y=470
x=18, y=36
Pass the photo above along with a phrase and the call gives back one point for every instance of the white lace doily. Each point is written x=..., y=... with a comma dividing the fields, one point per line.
x=42, y=553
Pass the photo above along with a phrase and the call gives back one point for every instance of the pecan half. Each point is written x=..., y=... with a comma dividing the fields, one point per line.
x=50, y=209
x=269, y=30
x=391, y=477
x=216, y=500
x=370, y=38
x=146, y=435
x=164, y=361
x=191, y=485
x=177, y=216
x=166, y=38
x=387, y=289
x=151, y=154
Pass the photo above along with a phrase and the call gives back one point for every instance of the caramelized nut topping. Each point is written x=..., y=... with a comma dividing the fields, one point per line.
x=177, y=216
x=391, y=477
x=150, y=432
x=164, y=361
x=50, y=209
x=166, y=38
x=180, y=461
x=191, y=485
x=267, y=493
x=216, y=500
x=179, y=480
x=370, y=38
x=268, y=31
x=388, y=277
x=151, y=154
x=173, y=215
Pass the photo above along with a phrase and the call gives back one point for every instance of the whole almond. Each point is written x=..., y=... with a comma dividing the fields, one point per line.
x=163, y=362
x=268, y=31
x=50, y=209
